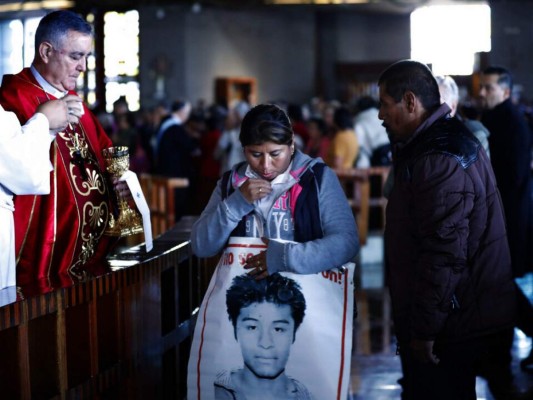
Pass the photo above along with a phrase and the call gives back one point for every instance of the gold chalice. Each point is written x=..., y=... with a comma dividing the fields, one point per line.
x=129, y=221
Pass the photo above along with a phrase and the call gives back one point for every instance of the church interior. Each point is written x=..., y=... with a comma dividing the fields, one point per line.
x=127, y=333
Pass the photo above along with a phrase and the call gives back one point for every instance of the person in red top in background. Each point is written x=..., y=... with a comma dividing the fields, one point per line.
x=319, y=141
x=210, y=166
x=61, y=235
x=299, y=125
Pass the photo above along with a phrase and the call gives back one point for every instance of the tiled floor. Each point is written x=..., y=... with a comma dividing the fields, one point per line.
x=375, y=367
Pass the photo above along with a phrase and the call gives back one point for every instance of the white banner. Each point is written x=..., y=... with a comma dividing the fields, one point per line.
x=140, y=201
x=288, y=336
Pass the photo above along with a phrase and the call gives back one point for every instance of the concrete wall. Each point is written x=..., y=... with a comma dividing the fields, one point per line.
x=512, y=39
x=370, y=37
x=294, y=54
x=289, y=52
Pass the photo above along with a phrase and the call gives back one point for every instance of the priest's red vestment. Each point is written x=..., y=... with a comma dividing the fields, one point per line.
x=61, y=233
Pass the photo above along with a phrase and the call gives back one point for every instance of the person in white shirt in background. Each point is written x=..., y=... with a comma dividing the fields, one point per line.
x=449, y=94
x=371, y=134
x=25, y=166
x=229, y=150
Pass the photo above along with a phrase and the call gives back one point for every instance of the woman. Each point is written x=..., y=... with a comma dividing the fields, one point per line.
x=278, y=194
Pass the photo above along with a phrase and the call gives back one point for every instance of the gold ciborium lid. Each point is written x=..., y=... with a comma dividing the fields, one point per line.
x=117, y=160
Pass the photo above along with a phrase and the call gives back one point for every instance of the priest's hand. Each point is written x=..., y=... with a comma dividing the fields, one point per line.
x=62, y=112
x=74, y=108
x=56, y=111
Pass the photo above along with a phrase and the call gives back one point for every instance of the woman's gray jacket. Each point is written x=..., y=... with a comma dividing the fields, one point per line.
x=338, y=245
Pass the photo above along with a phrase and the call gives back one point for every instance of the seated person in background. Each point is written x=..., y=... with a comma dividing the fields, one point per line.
x=344, y=147
x=319, y=142
x=374, y=145
x=299, y=122
x=449, y=93
x=228, y=150
x=265, y=315
x=177, y=149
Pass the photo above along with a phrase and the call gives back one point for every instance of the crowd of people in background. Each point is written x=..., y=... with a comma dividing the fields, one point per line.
x=323, y=129
x=344, y=135
x=459, y=219
x=205, y=139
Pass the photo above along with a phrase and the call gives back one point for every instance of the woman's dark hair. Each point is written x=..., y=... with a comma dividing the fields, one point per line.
x=413, y=76
x=295, y=112
x=55, y=26
x=343, y=118
x=266, y=123
x=320, y=124
x=276, y=289
x=177, y=105
x=366, y=102
x=217, y=115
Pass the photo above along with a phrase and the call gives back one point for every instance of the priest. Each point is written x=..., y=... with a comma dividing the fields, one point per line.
x=62, y=234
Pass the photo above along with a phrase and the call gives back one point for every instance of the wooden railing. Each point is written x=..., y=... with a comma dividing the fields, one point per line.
x=364, y=189
x=159, y=193
x=356, y=186
x=123, y=335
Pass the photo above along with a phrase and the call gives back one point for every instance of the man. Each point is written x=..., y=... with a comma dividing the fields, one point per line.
x=175, y=152
x=449, y=94
x=25, y=166
x=447, y=257
x=510, y=146
x=61, y=234
x=265, y=315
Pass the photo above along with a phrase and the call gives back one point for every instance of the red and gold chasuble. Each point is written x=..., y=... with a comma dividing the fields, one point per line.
x=61, y=234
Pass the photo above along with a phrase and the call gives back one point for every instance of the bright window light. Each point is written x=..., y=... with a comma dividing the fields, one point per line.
x=448, y=36
x=121, y=62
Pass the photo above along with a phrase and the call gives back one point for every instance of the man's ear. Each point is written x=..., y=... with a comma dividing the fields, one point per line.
x=45, y=51
x=410, y=100
x=506, y=92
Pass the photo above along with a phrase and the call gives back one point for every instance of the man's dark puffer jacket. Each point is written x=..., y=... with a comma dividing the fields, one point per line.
x=448, y=262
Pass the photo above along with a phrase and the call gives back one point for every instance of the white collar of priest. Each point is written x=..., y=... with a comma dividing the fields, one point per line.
x=46, y=86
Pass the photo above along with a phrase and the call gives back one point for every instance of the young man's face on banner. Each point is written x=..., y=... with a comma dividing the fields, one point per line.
x=265, y=333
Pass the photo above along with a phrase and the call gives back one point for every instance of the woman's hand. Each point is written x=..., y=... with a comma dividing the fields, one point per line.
x=255, y=189
x=258, y=264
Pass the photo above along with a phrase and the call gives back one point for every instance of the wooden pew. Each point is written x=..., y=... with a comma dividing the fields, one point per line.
x=378, y=177
x=355, y=183
x=159, y=193
x=122, y=335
